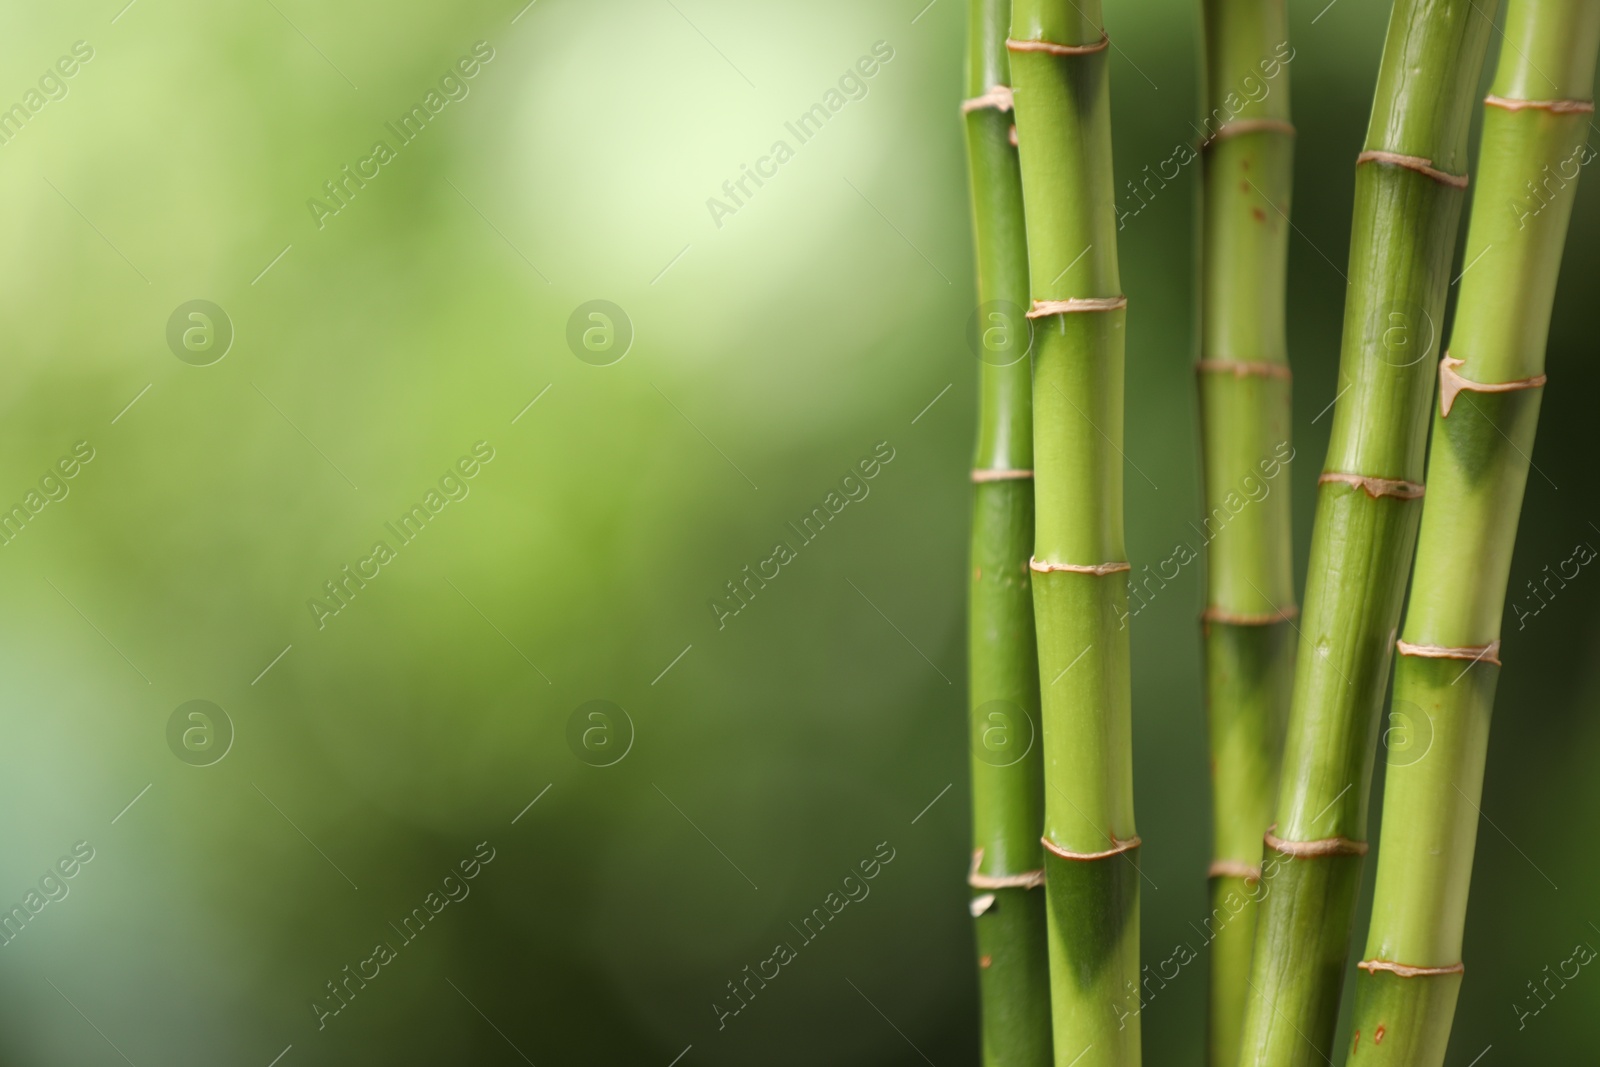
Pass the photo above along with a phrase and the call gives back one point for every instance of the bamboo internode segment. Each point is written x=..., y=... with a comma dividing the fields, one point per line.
x=1042, y=308
x=1375, y=487
x=1451, y=383
x=1416, y=163
x=1240, y=127
x=1240, y=368
x=1489, y=653
x=998, y=97
x=1044, y=567
x=1051, y=48
x=1025, y=880
x=1234, y=869
x=1322, y=846
x=1558, y=106
x=999, y=474
x=1405, y=970
x=1116, y=848
x=1271, y=618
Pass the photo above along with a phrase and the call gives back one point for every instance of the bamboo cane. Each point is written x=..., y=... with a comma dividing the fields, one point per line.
x=1535, y=129
x=1409, y=190
x=1007, y=761
x=1248, y=151
x=1059, y=68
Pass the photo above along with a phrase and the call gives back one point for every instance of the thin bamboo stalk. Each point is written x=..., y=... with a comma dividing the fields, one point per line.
x=1409, y=190
x=1007, y=761
x=1535, y=129
x=1248, y=152
x=1059, y=68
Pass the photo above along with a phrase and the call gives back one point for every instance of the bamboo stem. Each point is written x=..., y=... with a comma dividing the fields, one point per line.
x=1007, y=760
x=1059, y=69
x=1248, y=152
x=1534, y=137
x=1409, y=192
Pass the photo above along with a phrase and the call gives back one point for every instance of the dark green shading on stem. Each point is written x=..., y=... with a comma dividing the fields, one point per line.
x=1248, y=152
x=1059, y=70
x=1535, y=132
x=1410, y=180
x=1007, y=760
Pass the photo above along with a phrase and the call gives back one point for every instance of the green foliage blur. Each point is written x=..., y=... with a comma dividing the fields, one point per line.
x=395, y=741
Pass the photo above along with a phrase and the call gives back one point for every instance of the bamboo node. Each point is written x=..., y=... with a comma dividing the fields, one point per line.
x=1489, y=653
x=1051, y=48
x=1268, y=619
x=997, y=474
x=1374, y=487
x=1042, y=308
x=1451, y=383
x=1025, y=880
x=1323, y=846
x=1240, y=127
x=1116, y=847
x=1240, y=368
x=1234, y=869
x=1560, y=107
x=998, y=97
x=1416, y=163
x=1406, y=970
x=1078, y=568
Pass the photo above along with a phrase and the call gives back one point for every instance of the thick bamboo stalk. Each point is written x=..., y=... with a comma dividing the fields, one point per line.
x=1248, y=150
x=1080, y=587
x=1535, y=132
x=1007, y=762
x=1410, y=184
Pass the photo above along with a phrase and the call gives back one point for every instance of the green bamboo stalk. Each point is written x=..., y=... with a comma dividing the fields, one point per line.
x=1535, y=132
x=1248, y=153
x=1059, y=68
x=1007, y=762
x=1409, y=190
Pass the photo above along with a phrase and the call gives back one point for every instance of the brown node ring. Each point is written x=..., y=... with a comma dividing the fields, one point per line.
x=1240, y=127
x=1560, y=107
x=1323, y=846
x=1234, y=869
x=1025, y=880
x=1078, y=568
x=1406, y=970
x=1043, y=308
x=1270, y=618
x=1451, y=383
x=998, y=97
x=1374, y=487
x=1116, y=847
x=999, y=475
x=1489, y=653
x=1051, y=48
x=1244, y=369
x=1416, y=163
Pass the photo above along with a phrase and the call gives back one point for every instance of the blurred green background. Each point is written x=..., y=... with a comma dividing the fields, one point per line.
x=768, y=355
